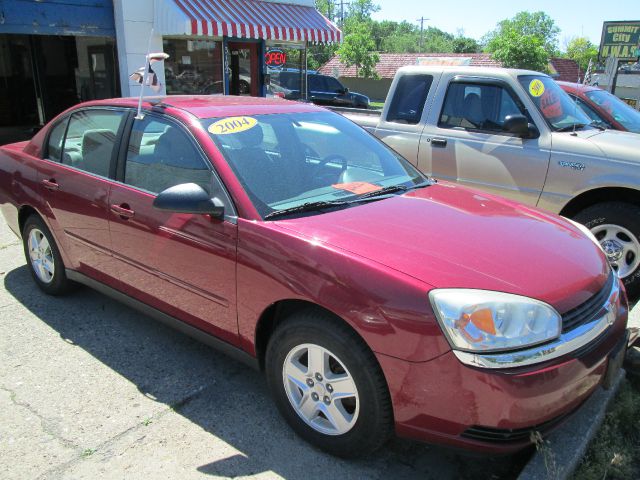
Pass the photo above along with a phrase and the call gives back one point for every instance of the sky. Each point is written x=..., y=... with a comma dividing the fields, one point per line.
x=477, y=17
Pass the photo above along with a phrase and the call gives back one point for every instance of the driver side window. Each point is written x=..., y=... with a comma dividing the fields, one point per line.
x=161, y=155
x=483, y=107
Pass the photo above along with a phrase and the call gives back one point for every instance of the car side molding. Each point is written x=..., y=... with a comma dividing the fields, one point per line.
x=193, y=332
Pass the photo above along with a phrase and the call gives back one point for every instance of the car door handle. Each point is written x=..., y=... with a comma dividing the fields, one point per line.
x=51, y=185
x=439, y=142
x=123, y=211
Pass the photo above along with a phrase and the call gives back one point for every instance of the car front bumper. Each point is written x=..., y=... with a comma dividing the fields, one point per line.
x=496, y=410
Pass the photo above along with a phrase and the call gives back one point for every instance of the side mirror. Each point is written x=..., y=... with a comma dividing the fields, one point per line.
x=516, y=124
x=519, y=125
x=189, y=198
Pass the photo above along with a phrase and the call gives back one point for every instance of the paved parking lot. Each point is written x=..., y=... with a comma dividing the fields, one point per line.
x=92, y=389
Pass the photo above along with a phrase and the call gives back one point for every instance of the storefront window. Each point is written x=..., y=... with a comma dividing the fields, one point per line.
x=42, y=75
x=193, y=66
x=286, y=66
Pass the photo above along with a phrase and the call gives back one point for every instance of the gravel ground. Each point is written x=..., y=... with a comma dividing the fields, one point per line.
x=92, y=389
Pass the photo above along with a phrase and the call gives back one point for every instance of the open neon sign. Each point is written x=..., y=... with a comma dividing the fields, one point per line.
x=275, y=58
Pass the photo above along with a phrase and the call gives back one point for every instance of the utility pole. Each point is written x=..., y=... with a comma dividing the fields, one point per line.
x=421, y=20
x=342, y=3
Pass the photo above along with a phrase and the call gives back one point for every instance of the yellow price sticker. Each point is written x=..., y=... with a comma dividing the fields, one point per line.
x=536, y=88
x=232, y=125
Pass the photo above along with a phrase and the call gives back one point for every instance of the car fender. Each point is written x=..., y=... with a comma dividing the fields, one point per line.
x=387, y=308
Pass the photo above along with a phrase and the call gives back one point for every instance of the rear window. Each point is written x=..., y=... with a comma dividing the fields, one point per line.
x=408, y=101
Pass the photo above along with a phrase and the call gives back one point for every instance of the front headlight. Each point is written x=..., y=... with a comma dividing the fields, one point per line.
x=482, y=320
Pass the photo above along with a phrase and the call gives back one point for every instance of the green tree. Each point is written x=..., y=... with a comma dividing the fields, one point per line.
x=358, y=48
x=524, y=41
x=514, y=50
x=361, y=10
x=581, y=50
x=462, y=44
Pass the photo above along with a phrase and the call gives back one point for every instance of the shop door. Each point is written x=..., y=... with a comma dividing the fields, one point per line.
x=20, y=112
x=243, y=61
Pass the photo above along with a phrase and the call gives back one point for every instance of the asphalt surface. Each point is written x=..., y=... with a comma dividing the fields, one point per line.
x=92, y=389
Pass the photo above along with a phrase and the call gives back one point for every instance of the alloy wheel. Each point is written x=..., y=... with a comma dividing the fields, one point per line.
x=41, y=256
x=621, y=247
x=320, y=389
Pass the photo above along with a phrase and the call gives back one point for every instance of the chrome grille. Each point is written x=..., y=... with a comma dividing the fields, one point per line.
x=588, y=310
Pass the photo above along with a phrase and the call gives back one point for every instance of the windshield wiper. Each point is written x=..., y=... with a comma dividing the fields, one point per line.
x=322, y=205
x=393, y=189
x=306, y=207
x=570, y=128
x=597, y=125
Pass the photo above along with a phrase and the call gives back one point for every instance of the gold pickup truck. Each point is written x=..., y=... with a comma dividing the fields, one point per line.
x=516, y=133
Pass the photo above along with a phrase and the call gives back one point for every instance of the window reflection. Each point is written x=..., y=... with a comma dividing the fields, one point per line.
x=193, y=66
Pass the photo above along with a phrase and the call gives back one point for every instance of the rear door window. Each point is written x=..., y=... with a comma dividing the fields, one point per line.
x=333, y=85
x=408, y=101
x=91, y=140
x=56, y=137
x=316, y=83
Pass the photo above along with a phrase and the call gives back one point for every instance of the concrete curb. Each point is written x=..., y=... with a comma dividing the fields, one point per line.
x=563, y=449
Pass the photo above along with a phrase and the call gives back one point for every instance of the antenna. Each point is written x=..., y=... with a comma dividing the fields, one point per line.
x=139, y=115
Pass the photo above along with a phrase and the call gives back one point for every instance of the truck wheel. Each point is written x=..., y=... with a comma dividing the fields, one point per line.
x=43, y=257
x=617, y=226
x=328, y=385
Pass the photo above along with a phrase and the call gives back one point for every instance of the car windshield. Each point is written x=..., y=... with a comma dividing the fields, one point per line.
x=620, y=111
x=560, y=112
x=286, y=161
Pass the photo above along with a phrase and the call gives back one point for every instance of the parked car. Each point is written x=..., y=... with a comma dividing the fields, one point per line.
x=375, y=299
x=321, y=90
x=516, y=133
x=604, y=109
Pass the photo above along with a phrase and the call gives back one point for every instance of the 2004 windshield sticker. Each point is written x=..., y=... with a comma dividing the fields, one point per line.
x=536, y=88
x=229, y=125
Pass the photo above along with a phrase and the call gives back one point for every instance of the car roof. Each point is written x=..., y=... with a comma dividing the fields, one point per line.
x=212, y=106
x=577, y=86
x=471, y=70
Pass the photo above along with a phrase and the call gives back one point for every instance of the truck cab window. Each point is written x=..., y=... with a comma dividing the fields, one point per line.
x=408, y=102
x=478, y=107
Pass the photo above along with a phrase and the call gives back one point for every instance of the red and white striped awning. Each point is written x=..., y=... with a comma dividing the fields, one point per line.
x=244, y=19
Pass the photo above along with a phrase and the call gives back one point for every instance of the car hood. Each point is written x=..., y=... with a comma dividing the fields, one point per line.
x=616, y=144
x=451, y=236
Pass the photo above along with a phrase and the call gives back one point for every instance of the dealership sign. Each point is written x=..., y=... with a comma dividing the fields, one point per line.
x=620, y=40
x=275, y=58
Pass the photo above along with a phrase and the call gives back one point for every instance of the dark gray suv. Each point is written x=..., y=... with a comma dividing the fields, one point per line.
x=322, y=90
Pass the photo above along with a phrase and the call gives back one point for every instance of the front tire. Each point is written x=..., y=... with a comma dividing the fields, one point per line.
x=43, y=257
x=328, y=385
x=616, y=225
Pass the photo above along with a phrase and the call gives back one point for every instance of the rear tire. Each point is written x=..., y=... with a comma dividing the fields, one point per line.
x=617, y=226
x=43, y=257
x=350, y=417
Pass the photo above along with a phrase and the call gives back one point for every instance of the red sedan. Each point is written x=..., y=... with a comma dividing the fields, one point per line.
x=606, y=110
x=374, y=299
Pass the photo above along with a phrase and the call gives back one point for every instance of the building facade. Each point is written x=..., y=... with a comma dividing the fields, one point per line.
x=56, y=53
x=53, y=54
x=218, y=46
